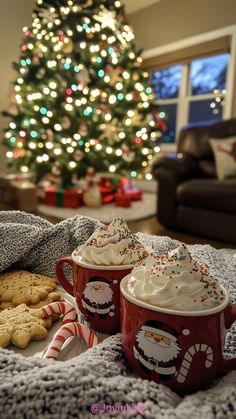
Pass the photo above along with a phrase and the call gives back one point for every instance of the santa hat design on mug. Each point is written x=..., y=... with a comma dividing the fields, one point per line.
x=157, y=350
x=97, y=297
x=163, y=329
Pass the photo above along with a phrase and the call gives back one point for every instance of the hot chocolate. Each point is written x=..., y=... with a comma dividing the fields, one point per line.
x=175, y=282
x=112, y=245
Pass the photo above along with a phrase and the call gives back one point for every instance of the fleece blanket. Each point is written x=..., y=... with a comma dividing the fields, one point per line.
x=99, y=381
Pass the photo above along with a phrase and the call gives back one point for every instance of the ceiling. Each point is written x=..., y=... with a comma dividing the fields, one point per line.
x=132, y=6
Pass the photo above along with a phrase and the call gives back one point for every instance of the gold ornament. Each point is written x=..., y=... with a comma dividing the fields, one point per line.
x=107, y=19
x=136, y=118
x=68, y=47
x=110, y=131
x=114, y=74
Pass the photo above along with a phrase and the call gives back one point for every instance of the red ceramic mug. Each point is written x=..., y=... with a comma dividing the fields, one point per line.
x=96, y=290
x=182, y=350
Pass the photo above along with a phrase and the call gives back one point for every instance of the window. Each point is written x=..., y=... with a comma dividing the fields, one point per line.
x=166, y=85
x=190, y=93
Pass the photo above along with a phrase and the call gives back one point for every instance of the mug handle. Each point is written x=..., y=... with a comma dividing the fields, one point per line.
x=61, y=276
x=230, y=318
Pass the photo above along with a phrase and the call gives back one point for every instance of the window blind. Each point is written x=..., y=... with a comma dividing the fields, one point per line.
x=186, y=55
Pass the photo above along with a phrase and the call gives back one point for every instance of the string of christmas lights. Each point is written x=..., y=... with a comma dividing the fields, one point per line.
x=81, y=98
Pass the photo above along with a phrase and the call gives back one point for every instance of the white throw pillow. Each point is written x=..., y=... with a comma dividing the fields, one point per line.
x=225, y=156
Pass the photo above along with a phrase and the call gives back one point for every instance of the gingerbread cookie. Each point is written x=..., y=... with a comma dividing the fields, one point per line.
x=51, y=298
x=18, y=287
x=22, y=324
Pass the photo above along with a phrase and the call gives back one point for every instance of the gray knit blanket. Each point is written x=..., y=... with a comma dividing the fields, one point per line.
x=34, y=388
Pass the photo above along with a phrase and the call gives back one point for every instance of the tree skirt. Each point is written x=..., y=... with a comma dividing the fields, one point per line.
x=106, y=213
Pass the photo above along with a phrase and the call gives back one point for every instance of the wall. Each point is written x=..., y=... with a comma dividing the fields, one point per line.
x=14, y=15
x=171, y=20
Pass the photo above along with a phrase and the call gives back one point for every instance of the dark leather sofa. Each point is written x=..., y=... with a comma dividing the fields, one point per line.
x=190, y=197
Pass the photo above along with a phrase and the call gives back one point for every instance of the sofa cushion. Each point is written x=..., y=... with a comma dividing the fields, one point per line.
x=194, y=138
x=212, y=194
x=225, y=156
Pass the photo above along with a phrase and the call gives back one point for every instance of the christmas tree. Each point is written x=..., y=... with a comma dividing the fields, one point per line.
x=81, y=98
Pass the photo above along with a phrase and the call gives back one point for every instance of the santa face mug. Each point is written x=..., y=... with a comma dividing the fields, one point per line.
x=96, y=290
x=182, y=350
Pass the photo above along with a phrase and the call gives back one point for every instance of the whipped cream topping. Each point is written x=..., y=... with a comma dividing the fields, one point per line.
x=112, y=245
x=175, y=282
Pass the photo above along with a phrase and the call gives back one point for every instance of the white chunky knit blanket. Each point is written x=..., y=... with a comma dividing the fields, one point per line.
x=34, y=388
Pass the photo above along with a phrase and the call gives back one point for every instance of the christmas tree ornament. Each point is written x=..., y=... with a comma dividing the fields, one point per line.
x=136, y=118
x=49, y=134
x=90, y=35
x=110, y=131
x=48, y=16
x=128, y=155
x=78, y=155
x=115, y=74
x=65, y=122
x=83, y=75
x=35, y=60
x=68, y=46
x=107, y=19
x=40, y=73
x=86, y=3
x=83, y=129
x=37, y=53
x=80, y=96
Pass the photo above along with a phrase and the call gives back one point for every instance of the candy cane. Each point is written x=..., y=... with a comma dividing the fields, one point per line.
x=70, y=329
x=188, y=357
x=68, y=311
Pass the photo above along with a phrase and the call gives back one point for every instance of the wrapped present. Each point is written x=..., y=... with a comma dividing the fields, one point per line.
x=122, y=199
x=107, y=194
x=68, y=198
x=73, y=198
x=18, y=192
x=106, y=190
x=132, y=191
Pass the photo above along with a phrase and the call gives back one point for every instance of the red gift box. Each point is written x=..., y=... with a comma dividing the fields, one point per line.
x=107, y=194
x=50, y=197
x=69, y=198
x=122, y=200
x=72, y=198
x=134, y=193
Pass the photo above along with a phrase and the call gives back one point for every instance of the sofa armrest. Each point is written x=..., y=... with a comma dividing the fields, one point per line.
x=179, y=166
x=169, y=172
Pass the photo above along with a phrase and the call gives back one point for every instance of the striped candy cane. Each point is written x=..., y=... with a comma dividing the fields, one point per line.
x=66, y=331
x=188, y=357
x=67, y=310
